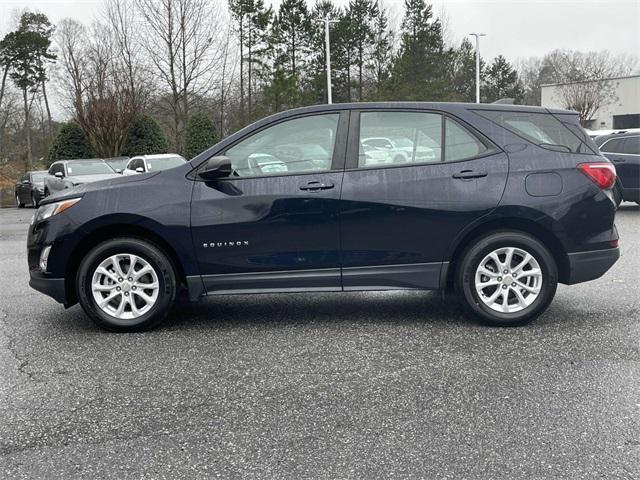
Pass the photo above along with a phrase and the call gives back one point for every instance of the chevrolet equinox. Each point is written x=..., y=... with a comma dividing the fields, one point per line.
x=499, y=202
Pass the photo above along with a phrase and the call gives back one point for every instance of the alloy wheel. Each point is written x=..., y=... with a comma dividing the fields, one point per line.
x=125, y=286
x=508, y=280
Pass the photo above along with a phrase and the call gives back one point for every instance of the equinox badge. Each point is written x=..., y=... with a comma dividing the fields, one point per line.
x=239, y=243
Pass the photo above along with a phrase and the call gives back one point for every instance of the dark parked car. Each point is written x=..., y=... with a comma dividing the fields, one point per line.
x=515, y=200
x=65, y=174
x=623, y=149
x=30, y=188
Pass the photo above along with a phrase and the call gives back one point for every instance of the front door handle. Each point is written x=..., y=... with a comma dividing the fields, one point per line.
x=469, y=174
x=618, y=160
x=316, y=186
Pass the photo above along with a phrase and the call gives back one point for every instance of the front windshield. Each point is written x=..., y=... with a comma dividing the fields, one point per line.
x=164, y=163
x=88, y=167
x=118, y=163
x=38, y=177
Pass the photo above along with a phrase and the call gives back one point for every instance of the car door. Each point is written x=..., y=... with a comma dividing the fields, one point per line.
x=398, y=220
x=273, y=225
x=132, y=165
x=624, y=153
x=23, y=189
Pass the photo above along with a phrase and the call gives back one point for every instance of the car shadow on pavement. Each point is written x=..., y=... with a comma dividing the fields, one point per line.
x=325, y=308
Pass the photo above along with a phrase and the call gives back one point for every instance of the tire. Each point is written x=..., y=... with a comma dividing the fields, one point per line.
x=19, y=204
x=34, y=202
x=142, y=314
x=46, y=193
x=518, y=311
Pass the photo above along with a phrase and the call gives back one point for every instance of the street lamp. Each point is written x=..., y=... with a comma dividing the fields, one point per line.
x=327, y=21
x=478, y=35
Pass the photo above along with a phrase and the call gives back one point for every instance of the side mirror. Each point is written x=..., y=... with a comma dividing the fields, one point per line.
x=216, y=167
x=140, y=170
x=58, y=175
x=119, y=170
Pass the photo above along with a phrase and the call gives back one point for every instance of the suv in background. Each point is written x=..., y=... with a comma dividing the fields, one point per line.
x=623, y=149
x=516, y=200
x=65, y=174
x=153, y=163
x=30, y=188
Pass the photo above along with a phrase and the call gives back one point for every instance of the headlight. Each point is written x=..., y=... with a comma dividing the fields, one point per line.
x=51, y=209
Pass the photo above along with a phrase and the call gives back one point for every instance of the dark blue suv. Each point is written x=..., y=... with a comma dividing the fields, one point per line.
x=499, y=202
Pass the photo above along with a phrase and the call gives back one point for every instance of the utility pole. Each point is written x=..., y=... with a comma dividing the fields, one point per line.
x=478, y=35
x=327, y=43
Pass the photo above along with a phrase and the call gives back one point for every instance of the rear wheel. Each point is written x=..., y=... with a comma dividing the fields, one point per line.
x=126, y=284
x=507, y=278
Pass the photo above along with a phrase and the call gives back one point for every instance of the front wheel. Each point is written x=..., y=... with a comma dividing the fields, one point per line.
x=126, y=284
x=507, y=278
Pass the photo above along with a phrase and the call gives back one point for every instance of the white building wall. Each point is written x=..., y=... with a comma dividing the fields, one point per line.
x=628, y=102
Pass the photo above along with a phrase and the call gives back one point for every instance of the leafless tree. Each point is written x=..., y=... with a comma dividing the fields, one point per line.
x=587, y=80
x=182, y=44
x=97, y=84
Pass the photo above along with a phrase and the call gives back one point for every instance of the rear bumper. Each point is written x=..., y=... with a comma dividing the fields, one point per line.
x=54, y=287
x=585, y=266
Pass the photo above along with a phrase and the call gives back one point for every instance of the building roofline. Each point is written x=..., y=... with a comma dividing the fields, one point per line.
x=587, y=81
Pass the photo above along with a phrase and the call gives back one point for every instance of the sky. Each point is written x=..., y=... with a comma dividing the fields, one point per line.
x=514, y=28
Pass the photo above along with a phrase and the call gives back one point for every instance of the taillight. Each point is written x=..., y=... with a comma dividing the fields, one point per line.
x=602, y=174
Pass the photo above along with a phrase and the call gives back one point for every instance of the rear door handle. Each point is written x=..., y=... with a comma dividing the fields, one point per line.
x=468, y=174
x=316, y=186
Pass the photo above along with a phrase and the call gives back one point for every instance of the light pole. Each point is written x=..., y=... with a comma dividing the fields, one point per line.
x=478, y=35
x=327, y=43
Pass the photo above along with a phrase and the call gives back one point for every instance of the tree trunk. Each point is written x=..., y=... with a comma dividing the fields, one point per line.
x=27, y=129
x=4, y=82
x=46, y=104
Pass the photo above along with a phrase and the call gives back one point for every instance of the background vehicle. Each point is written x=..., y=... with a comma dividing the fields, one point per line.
x=30, y=188
x=516, y=200
x=623, y=149
x=118, y=164
x=153, y=163
x=70, y=173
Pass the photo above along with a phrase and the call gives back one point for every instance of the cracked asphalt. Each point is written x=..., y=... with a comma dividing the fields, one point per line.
x=362, y=385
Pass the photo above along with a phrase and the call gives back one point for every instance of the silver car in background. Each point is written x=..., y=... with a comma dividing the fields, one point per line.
x=70, y=173
x=153, y=163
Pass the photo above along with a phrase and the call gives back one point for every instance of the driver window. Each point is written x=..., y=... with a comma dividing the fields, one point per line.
x=294, y=146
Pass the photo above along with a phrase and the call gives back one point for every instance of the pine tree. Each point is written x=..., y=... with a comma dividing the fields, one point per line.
x=200, y=135
x=502, y=82
x=361, y=15
x=381, y=51
x=144, y=138
x=70, y=143
x=419, y=71
x=463, y=74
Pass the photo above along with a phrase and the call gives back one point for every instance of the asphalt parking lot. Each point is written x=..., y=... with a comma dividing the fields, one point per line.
x=366, y=385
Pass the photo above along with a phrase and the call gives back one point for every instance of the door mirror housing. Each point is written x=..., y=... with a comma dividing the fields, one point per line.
x=140, y=170
x=119, y=170
x=58, y=175
x=216, y=167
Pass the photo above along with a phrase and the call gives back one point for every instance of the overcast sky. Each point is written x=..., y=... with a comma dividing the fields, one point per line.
x=514, y=28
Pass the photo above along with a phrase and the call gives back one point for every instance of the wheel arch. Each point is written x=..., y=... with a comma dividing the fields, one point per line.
x=524, y=225
x=106, y=232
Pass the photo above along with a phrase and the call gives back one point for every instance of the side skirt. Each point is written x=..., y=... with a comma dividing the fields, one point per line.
x=417, y=276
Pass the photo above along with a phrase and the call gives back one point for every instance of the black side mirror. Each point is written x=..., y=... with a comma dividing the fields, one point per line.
x=216, y=167
x=59, y=175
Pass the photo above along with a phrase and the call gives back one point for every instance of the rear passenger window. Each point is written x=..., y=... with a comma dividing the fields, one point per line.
x=631, y=146
x=459, y=143
x=541, y=129
x=388, y=138
x=613, y=146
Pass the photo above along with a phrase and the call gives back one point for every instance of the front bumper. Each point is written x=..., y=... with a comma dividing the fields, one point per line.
x=54, y=287
x=586, y=266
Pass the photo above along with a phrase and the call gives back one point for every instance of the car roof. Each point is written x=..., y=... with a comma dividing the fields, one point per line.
x=603, y=138
x=158, y=155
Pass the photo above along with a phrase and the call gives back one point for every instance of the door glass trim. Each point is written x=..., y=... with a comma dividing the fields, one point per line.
x=354, y=140
x=337, y=158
